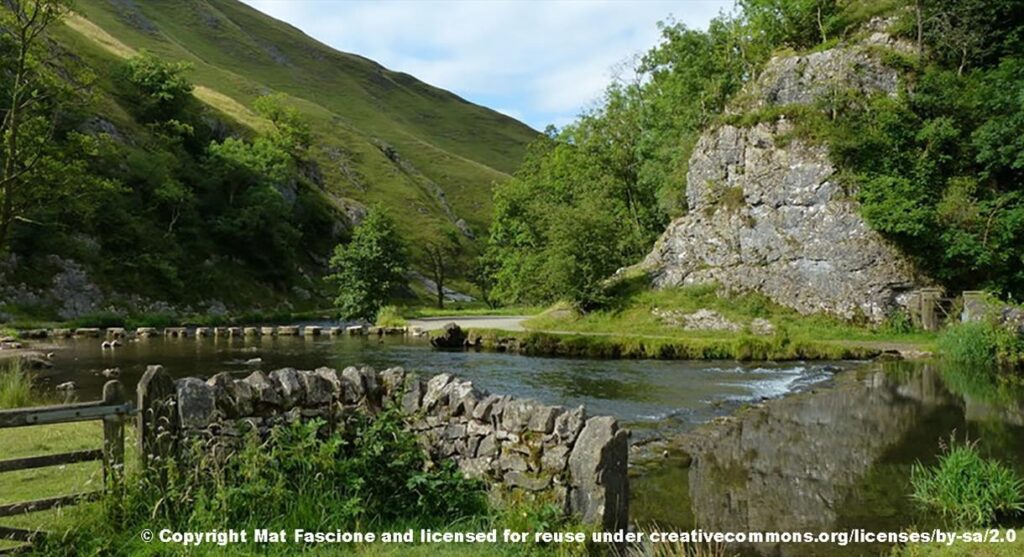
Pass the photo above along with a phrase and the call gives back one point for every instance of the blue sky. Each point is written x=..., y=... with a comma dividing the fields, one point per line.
x=540, y=62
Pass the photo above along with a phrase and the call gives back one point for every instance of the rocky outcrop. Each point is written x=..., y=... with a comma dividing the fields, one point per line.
x=518, y=446
x=767, y=212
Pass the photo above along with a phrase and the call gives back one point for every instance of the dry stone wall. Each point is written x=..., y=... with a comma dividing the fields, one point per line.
x=512, y=444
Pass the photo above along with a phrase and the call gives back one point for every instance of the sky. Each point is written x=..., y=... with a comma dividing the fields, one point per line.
x=542, y=62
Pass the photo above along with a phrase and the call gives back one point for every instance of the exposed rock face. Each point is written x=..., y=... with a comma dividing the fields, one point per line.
x=767, y=214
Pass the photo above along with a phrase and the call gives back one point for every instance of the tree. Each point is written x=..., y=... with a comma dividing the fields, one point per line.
x=157, y=90
x=441, y=252
x=369, y=267
x=31, y=92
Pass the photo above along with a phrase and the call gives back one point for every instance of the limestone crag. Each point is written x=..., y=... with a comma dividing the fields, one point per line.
x=767, y=212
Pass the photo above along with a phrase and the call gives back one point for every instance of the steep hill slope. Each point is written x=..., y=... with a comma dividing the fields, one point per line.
x=161, y=224
x=383, y=136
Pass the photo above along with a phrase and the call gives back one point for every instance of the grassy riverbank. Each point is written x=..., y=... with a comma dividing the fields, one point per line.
x=628, y=346
x=644, y=323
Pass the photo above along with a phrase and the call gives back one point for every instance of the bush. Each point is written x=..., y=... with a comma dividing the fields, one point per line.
x=983, y=344
x=966, y=488
x=370, y=475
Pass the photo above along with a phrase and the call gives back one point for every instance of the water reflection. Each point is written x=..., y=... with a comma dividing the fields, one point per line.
x=835, y=459
x=646, y=395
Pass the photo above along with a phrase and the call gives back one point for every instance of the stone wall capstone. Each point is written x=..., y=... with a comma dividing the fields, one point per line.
x=512, y=444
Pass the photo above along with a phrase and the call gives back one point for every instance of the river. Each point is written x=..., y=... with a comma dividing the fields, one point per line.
x=817, y=446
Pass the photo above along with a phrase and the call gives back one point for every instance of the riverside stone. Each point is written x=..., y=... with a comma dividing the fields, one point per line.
x=437, y=392
x=517, y=415
x=452, y=336
x=291, y=386
x=265, y=391
x=196, y=402
x=597, y=468
x=543, y=418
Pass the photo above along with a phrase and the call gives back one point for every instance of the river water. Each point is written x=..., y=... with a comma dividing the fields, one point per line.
x=821, y=446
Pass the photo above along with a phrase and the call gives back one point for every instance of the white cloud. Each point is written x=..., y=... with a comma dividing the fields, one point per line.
x=542, y=61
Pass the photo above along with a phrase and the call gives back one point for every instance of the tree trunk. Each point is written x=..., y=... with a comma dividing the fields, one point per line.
x=919, y=12
x=10, y=178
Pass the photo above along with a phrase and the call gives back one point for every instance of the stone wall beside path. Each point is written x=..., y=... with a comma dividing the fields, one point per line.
x=514, y=445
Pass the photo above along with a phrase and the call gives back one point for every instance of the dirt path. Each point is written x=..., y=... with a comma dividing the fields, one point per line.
x=503, y=322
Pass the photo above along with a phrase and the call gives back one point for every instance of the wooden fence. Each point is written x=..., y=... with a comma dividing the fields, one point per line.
x=113, y=409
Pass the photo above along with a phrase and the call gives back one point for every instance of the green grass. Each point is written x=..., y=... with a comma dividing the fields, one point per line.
x=16, y=389
x=966, y=489
x=960, y=549
x=627, y=346
x=631, y=315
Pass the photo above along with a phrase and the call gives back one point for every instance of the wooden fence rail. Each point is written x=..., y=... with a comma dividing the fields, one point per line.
x=113, y=409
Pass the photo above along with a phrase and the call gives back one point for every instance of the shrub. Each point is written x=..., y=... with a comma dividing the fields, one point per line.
x=982, y=344
x=966, y=488
x=898, y=323
x=369, y=474
x=390, y=316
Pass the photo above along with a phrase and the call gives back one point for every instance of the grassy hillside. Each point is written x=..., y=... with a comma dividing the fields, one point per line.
x=155, y=214
x=447, y=148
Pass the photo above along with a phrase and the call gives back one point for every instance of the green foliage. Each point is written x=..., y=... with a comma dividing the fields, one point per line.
x=982, y=344
x=157, y=91
x=16, y=389
x=898, y=322
x=390, y=316
x=42, y=155
x=972, y=33
x=370, y=267
x=368, y=474
x=621, y=168
x=966, y=488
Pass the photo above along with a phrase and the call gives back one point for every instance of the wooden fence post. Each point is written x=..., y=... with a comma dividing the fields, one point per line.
x=113, y=436
x=157, y=419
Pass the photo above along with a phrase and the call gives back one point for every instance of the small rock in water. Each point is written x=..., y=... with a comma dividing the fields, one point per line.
x=254, y=362
x=111, y=373
x=67, y=386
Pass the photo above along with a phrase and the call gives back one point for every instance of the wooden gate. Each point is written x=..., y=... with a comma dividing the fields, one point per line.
x=113, y=409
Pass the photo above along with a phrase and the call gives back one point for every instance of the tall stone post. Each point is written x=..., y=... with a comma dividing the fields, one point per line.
x=930, y=299
x=974, y=306
x=157, y=418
